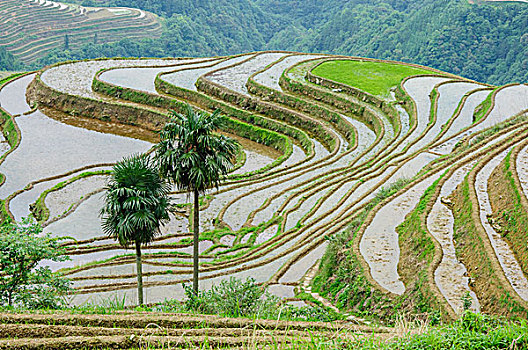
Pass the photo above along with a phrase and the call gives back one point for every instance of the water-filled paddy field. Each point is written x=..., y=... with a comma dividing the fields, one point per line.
x=340, y=158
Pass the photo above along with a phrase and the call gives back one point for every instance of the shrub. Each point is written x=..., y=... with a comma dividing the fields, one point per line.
x=23, y=283
x=233, y=298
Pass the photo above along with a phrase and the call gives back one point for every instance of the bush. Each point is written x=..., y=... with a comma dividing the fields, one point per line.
x=237, y=298
x=233, y=298
x=481, y=323
x=23, y=283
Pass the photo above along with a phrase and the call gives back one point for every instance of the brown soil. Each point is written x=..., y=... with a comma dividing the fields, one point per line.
x=509, y=214
x=16, y=331
x=149, y=330
x=486, y=279
x=142, y=320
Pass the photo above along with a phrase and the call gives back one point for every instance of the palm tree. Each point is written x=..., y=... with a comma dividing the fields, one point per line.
x=136, y=205
x=194, y=158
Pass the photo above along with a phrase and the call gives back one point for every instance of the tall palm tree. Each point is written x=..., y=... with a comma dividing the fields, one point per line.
x=136, y=205
x=195, y=159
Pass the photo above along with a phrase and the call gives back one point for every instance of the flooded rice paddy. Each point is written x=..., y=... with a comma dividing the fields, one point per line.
x=277, y=219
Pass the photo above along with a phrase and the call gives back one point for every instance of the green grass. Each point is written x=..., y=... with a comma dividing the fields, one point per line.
x=470, y=332
x=376, y=78
x=483, y=108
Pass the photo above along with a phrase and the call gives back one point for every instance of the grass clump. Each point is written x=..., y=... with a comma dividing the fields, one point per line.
x=471, y=331
x=376, y=78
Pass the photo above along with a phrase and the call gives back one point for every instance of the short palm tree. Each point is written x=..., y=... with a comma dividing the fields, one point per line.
x=136, y=205
x=195, y=159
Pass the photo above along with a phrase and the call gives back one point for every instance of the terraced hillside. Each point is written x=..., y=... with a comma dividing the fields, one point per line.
x=416, y=181
x=168, y=331
x=31, y=28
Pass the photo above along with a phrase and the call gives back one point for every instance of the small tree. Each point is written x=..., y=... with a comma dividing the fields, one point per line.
x=194, y=158
x=136, y=205
x=23, y=247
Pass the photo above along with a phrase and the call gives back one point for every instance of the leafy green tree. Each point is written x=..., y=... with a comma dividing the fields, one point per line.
x=195, y=159
x=8, y=61
x=485, y=41
x=23, y=247
x=136, y=205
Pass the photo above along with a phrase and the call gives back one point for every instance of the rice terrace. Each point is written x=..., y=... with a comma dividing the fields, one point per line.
x=31, y=28
x=367, y=186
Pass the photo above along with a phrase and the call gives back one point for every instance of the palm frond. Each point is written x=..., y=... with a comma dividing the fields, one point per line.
x=136, y=201
x=190, y=153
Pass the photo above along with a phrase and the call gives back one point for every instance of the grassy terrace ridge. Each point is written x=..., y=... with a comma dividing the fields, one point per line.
x=376, y=78
x=147, y=330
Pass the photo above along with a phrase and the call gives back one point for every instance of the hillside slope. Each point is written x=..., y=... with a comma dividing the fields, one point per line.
x=393, y=166
x=30, y=29
x=484, y=41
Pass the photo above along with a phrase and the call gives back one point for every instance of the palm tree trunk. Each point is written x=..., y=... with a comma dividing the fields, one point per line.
x=196, y=231
x=139, y=270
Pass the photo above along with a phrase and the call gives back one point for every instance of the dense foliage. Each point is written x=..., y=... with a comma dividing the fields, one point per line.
x=238, y=298
x=8, y=61
x=191, y=28
x=233, y=298
x=484, y=41
x=136, y=200
x=24, y=282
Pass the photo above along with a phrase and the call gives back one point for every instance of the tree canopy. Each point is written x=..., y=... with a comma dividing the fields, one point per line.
x=136, y=201
x=24, y=281
x=190, y=154
x=136, y=205
x=482, y=41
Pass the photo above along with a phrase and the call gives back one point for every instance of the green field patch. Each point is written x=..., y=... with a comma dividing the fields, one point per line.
x=376, y=78
x=484, y=108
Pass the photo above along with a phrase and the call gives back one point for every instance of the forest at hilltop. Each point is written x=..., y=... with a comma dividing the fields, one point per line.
x=484, y=41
